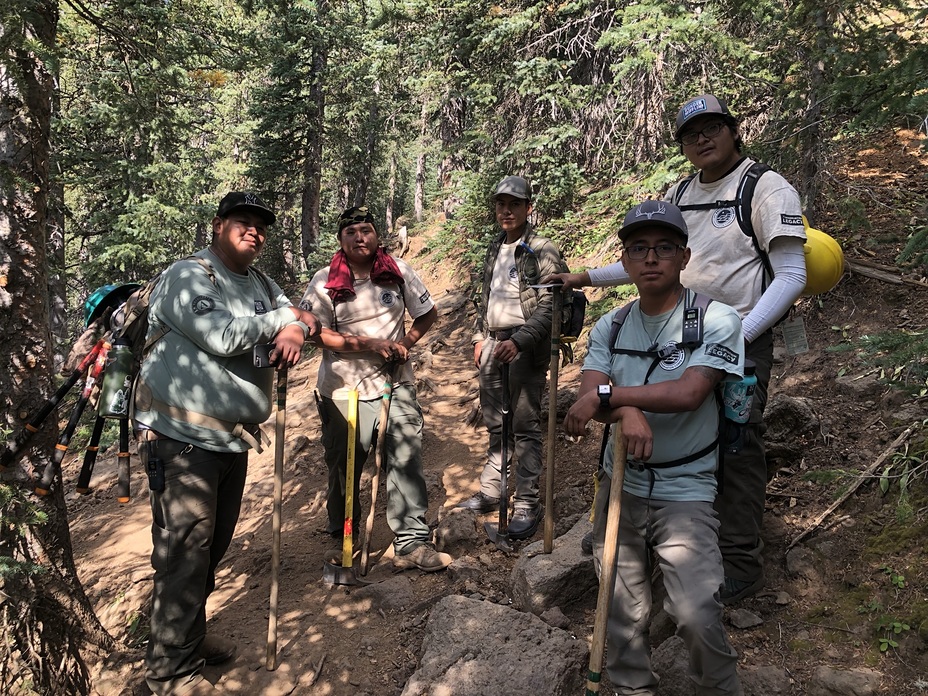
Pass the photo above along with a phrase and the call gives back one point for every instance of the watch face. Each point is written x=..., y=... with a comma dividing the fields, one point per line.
x=604, y=390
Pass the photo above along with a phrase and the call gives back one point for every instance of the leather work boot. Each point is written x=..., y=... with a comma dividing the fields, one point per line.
x=525, y=522
x=480, y=503
x=425, y=558
x=216, y=650
x=203, y=688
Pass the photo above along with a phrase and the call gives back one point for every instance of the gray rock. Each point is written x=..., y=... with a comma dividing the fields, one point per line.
x=466, y=569
x=765, y=680
x=541, y=581
x=457, y=532
x=742, y=618
x=555, y=617
x=473, y=648
x=393, y=593
x=826, y=681
x=802, y=562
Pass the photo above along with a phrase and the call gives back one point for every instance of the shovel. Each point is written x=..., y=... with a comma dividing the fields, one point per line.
x=391, y=369
x=607, y=574
x=500, y=534
x=281, y=423
x=344, y=574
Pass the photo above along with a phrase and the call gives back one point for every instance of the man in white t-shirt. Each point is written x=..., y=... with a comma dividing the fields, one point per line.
x=361, y=299
x=657, y=385
x=727, y=267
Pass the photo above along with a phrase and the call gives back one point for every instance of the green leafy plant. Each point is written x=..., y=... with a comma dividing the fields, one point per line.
x=896, y=578
x=891, y=628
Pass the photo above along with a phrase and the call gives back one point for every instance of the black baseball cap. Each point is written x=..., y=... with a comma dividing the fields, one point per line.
x=654, y=214
x=241, y=200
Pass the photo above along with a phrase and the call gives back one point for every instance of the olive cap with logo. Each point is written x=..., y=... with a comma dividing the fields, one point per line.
x=514, y=186
x=242, y=200
x=654, y=214
x=703, y=105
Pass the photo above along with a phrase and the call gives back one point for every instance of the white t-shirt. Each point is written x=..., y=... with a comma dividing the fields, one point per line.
x=725, y=265
x=504, y=308
x=676, y=435
x=376, y=311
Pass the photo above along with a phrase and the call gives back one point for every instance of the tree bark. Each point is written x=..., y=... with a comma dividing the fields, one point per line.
x=311, y=201
x=48, y=623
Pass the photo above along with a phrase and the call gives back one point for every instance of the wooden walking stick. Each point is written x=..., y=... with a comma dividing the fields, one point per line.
x=610, y=553
x=558, y=300
x=271, y=662
x=378, y=462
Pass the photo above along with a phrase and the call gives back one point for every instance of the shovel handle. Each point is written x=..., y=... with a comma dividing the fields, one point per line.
x=558, y=302
x=385, y=402
x=607, y=568
x=347, y=529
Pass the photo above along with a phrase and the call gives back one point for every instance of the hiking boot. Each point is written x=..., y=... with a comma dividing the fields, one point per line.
x=203, y=688
x=480, y=503
x=586, y=543
x=735, y=590
x=216, y=650
x=424, y=557
x=525, y=522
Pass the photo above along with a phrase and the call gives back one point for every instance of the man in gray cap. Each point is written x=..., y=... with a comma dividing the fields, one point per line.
x=653, y=379
x=513, y=328
x=760, y=277
x=197, y=404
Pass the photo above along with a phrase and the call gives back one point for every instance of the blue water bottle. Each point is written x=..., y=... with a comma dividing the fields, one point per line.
x=738, y=397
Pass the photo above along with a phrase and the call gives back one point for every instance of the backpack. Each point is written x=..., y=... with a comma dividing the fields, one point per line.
x=131, y=345
x=824, y=259
x=573, y=315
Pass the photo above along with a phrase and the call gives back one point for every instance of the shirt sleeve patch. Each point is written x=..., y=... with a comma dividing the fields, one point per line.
x=424, y=297
x=717, y=350
x=794, y=220
x=202, y=305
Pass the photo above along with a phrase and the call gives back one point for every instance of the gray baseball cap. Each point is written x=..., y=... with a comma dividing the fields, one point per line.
x=654, y=214
x=702, y=105
x=514, y=186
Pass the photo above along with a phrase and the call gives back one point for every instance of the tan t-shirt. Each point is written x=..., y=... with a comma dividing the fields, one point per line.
x=724, y=264
x=375, y=310
x=504, y=308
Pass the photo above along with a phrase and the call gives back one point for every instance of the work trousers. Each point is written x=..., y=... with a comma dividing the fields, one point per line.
x=193, y=520
x=683, y=537
x=407, y=498
x=743, y=483
x=526, y=384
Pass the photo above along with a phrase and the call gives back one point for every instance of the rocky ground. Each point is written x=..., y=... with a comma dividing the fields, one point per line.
x=851, y=595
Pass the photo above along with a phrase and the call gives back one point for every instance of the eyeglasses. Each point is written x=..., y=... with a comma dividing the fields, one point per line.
x=708, y=132
x=639, y=252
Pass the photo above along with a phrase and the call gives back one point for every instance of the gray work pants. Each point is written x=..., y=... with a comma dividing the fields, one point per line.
x=743, y=483
x=193, y=521
x=526, y=384
x=684, y=539
x=407, y=498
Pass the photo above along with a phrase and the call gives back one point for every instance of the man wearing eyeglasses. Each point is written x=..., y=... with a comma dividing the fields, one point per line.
x=197, y=404
x=655, y=381
x=727, y=267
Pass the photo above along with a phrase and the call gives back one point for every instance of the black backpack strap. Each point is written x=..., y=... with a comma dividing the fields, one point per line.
x=743, y=213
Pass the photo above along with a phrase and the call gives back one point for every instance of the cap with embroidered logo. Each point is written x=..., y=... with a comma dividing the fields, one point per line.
x=654, y=214
x=242, y=200
x=702, y=105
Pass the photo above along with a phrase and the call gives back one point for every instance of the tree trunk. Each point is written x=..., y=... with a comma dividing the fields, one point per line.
x=419, y=195
x=47, y=621
x=311, y=202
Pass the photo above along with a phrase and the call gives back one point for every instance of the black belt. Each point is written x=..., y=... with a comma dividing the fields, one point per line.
x=503, y=335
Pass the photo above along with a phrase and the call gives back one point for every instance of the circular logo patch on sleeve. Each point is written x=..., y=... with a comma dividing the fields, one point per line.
x=202, y=304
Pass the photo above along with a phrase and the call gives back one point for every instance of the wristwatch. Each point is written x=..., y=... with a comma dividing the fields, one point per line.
x=604, y=391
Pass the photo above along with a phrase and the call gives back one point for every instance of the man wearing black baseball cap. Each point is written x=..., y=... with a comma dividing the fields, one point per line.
x=654, y=381
x=761, y=277
x=198, y=403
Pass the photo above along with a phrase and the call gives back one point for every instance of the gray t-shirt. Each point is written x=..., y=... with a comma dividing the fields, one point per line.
x=676, y=435
x=204, y=363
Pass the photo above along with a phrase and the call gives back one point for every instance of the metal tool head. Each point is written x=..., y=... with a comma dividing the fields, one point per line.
x=334, y=574
x=500, y=538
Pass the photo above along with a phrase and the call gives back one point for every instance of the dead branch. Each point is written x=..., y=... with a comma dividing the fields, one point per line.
x=888, y=274
x=850, y=491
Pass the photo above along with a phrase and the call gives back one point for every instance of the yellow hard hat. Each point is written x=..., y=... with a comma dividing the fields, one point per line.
x=824, y=261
